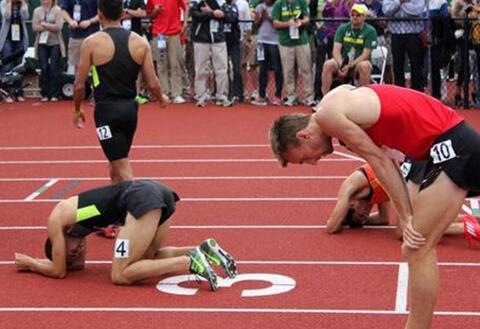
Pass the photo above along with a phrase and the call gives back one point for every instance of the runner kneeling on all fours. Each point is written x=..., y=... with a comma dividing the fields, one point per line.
x=142, y=209
x=361, y=191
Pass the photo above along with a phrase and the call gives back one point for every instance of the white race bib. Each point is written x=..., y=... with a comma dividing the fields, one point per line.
x=442, y=152
x=405, y=168
x=122, y=248
x=104, y=132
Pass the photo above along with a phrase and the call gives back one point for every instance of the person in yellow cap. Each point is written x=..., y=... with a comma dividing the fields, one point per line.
x=353, y=45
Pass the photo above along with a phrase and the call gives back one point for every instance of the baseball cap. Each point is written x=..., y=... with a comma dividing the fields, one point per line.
x=359, y=8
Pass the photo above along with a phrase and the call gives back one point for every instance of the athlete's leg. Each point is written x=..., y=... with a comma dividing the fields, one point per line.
x=156, y=251
x=434, y=208
x=120, y=170
x=140, y=233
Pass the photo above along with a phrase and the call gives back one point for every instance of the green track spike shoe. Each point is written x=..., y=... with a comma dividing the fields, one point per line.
x=217, y=256
x=200, y=266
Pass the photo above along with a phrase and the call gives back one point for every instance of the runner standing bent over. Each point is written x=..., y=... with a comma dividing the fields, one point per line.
x=377, y=122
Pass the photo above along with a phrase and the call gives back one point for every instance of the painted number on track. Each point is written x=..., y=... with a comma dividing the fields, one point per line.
x=279, y=284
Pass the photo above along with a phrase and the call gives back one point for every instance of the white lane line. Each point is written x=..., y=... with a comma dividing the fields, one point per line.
x=220, y=310
x=215, y=227
x=213, y=160
x=204, y=200
x=153, y=146
x=301, y=262
x=94, y=147
x=349, y=156
x=21, y=179
x=402, y=288
x=42, y=189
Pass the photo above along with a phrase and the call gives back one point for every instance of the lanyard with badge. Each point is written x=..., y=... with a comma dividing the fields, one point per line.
x=43, y=38
x=16, y=18
x=77, y=11
x=127, y=23
x=292, y=30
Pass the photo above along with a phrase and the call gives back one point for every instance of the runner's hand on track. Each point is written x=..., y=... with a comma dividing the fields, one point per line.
x=164, y=101
x=22, y=262
x=79, y=118
x=411, y=238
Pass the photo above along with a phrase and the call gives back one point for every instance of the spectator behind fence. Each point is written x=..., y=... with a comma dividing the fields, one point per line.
x=354, y=42
x=334, y=9
x=321, y=45
x=208, y=36
x=82, y=18
x=268, y=54
x=462, y=9
x=234, y=37
x=290, y=18
x=406, y=38
x=166, y=46
x=14, y=38
x=47, y=22
x=133, y=12
x=442, y=42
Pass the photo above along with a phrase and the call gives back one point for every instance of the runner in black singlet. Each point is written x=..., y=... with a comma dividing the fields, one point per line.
x=142, y=208
x=115, y=57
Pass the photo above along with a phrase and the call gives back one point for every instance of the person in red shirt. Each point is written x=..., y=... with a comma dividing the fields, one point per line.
x=382, y=123
x=167, y=50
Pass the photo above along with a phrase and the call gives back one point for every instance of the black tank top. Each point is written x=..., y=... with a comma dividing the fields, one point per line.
x=116, y=79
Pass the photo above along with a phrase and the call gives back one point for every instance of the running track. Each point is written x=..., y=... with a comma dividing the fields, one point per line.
x=271, y=219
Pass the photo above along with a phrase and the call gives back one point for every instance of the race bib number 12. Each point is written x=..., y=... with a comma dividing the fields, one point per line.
x=442, y=152
x=104, y=132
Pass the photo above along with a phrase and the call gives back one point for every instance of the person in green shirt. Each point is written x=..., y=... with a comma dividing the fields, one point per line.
x=290, y=18
x=353, y=45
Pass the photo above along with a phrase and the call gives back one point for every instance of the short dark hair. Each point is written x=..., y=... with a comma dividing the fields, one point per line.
x=350, y=219
x=283, y=134
x=111, y=9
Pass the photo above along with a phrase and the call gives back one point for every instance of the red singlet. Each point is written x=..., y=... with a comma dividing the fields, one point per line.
x=410, y=121
x=378, y=194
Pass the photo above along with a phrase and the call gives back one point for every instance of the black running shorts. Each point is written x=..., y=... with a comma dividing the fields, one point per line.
x=116, y=122
x=457, y=153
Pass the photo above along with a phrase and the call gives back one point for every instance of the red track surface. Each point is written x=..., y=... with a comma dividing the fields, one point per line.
x=270, y=218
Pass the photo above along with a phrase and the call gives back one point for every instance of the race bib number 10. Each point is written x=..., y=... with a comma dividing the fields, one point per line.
x=442, y=152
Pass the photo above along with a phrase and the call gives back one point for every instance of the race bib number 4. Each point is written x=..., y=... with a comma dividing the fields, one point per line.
x=122, y=248
x=104, y=132
x=442, y=152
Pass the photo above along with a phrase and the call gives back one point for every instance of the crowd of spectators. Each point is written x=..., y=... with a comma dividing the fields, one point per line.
x=279, y=52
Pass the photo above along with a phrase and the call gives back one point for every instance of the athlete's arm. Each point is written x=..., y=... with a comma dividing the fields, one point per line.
x=81, y=76
x=349, y=188
x=382, y=216
x=150, y=77
x=54, y=269
x=332, y=120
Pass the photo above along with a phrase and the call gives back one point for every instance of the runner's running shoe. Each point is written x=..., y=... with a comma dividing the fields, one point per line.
x=471, y=228
x=217, y=256
x=200, y=266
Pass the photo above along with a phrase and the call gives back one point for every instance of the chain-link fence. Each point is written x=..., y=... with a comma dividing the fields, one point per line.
x=450, y=61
